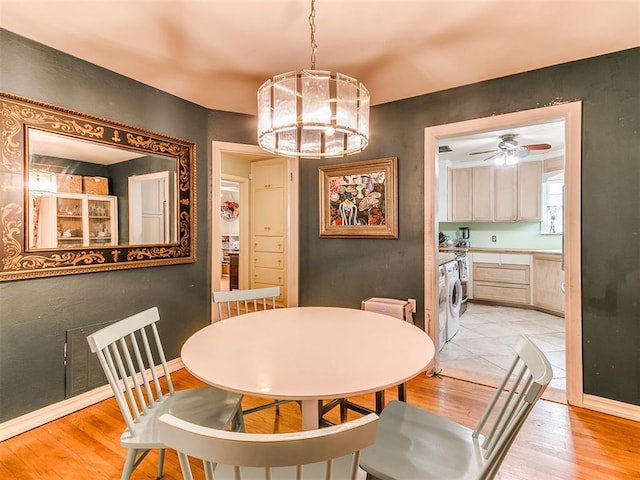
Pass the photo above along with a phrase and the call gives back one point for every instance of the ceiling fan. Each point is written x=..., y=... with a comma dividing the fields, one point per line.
x=509, y=151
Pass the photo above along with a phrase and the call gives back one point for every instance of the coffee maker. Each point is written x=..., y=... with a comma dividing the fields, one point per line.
x=463, y=237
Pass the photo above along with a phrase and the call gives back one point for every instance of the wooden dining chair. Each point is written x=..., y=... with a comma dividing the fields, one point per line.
x=328, y=453
x=133, y=360
x=413, y=443
x=237, y=302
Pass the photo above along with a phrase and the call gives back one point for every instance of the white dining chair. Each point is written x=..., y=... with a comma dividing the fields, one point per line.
x=237, y=302
x=133, y=360
x=328, y=453
x=415, y=444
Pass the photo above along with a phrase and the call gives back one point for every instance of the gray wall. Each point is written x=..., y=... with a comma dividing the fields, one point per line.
x=34, y=314
x=345, y=271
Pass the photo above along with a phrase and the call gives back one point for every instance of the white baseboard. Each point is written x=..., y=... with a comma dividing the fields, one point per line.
x=34, y=419
x=611, y=407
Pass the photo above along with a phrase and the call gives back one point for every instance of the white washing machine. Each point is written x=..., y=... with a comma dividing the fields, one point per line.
x=443, y=306
x=454, y=298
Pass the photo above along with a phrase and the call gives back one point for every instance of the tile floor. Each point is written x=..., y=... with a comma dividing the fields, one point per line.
x=481, y=352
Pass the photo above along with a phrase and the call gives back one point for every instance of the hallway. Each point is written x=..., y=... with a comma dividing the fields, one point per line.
x=481, y=351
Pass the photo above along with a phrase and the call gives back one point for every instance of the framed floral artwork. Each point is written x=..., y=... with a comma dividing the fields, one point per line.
x=359, y=199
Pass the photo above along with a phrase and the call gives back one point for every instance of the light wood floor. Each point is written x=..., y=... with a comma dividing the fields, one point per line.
x=557, y=442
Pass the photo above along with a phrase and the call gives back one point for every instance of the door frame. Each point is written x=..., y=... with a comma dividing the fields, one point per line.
x=292, y=216
x=571, y=113
x=134, y=183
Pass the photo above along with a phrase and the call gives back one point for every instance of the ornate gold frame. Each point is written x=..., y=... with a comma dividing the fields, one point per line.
x=16, y=115
x=343, y=211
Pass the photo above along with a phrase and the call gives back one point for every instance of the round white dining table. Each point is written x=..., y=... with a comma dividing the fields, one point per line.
x=308, y=354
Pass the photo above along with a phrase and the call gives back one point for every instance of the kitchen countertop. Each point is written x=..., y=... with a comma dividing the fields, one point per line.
x=525, y=251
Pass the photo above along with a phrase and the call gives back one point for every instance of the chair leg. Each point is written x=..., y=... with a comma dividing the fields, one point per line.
x=161, y=463
x=402, y=392
x=237, y=424
x=129, y=464
x=379, y=401
x=343, y=410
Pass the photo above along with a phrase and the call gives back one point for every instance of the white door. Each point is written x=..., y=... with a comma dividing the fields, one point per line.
x=148, y=209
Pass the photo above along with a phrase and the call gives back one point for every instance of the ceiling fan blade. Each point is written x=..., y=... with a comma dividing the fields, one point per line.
x=492, y=156
x=486, y=151
x=537, y=146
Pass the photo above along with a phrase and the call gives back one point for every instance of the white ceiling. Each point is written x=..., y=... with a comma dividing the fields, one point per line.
x=216, y=53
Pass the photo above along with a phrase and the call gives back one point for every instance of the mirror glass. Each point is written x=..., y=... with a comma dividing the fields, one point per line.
x=127, y=197
x=82, y=194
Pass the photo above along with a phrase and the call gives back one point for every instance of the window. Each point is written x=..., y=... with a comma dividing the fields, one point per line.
x=553, y=197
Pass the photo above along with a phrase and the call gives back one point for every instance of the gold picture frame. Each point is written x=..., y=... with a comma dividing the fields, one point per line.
x=359, y=199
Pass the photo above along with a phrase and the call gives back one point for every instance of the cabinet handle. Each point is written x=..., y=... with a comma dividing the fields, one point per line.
x=255, y=260
x=279, y=262
x=279, y=246
x=563, y=287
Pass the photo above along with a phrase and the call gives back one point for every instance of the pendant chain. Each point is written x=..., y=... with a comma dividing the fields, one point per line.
x=312, y=24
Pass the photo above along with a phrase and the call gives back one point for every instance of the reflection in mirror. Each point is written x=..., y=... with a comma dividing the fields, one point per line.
x=84, y=193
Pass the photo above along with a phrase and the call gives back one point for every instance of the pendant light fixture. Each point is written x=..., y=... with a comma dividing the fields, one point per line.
x=313, y=113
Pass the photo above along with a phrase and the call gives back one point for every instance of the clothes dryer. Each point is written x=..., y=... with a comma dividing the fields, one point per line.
x=454, y=298
x=443, y=306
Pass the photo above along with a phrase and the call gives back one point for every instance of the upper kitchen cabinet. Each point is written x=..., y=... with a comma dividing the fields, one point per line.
x=482, y=194
x=460, y=194
x=530, y=191
x=496, y=193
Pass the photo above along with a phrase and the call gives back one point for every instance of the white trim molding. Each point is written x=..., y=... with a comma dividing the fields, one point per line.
x=37, y=418
x=612, y=407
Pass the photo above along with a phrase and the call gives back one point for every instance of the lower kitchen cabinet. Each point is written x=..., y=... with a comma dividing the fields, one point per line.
x=547, y=278
x=505, y=283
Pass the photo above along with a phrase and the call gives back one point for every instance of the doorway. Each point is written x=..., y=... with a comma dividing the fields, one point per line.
x=570, y=113
x=150, y=217
x=233, y=156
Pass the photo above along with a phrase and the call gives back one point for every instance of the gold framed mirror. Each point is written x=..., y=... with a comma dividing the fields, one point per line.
x=83, y=194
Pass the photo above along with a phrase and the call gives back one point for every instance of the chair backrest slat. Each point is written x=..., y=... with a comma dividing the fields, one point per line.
x=522, y=386
x=131, y=371
x=104, y=356
x=269, y=451
x=238, y=302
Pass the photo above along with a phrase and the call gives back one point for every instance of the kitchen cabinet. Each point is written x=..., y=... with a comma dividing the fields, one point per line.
x=460, y=200
x=547, y=278
x=482, y=190
x=501, y=277
x=496, y=194
x=530, y=191
x=73, y=220
x=506, y=193
x=268, y=218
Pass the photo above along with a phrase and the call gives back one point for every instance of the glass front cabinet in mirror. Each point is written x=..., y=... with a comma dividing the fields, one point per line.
x=82, y=194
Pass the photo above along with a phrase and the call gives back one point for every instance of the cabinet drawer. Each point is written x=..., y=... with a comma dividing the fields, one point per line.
x=268, y=260
x=268, y=244
x=271, y=276
x=487, y=272
x=504, y=292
